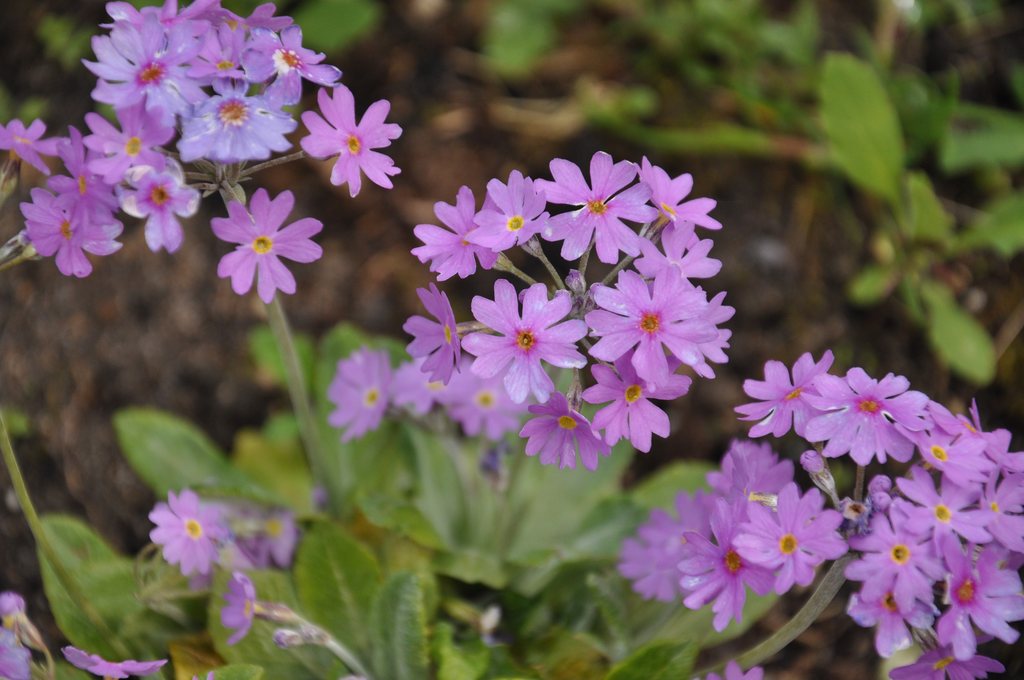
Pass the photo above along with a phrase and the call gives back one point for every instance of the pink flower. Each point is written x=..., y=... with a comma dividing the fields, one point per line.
x=353, y=143
x=25, y=143
x=448, y=250
x=511, y=214
x=667, y=195
x=940, y=664
x=558, y=433
x=939, y=515
x=109, y=669
x=750, y=467
x=360, y=391
x=682, y=250
x=524, y=341
x=188, y=531
x=54, y=229
x=481, y=406
x=129, y=147
x=891, y=634
x=733, y=671
x=160, y=197
x=268, y=55
x=783, y=402
x=436, y=341
x=238, y=613
x=262, y=242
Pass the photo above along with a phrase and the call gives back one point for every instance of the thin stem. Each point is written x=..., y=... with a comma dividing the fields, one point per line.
x=651, y=231
x=64, y=575
x=505, y=265
x=858, y=486
x=555, y=276
x=339, y=650
x=252, y=170
x=585, y=260
x=808, y=614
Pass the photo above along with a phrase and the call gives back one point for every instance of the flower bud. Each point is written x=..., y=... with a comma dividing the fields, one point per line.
x=880, y=484
x=817, y=467
x=812, y=462
x=880, y=500
x=533, y=247
x=576, y=284
x=286, y=638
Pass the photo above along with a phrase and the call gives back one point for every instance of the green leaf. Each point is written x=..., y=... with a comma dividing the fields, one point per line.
x=238, y=672
x=267, y=356
x=660, y=489
x=18, y=424
x=276, y=465
x=454, y=662
x=861, y=125
x=440, y=495
x=871, y=284
x=337, y=579
x=400, y=517
x=472, y=566
x=926, y=219
x=1001, y=228
x=959, y=339
x=980, y=136
x=658, y=661
x=517, y=36
x=398, y=629
x=332, y=25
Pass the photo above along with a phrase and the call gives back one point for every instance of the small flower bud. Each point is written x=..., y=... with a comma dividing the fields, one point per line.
x=880, y=500
x=576, y=284
x=880, y=484
x=817, y=467
x=11, y=604
x=286, y=638
x=276, y=612
x=533, y=247
x=812, y=462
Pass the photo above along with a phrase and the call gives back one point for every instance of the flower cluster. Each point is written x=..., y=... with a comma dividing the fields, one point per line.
x=953, y=524
x=634, y=329
x=222, y=84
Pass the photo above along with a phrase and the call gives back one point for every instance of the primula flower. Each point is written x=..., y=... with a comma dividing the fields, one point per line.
x=448, y=250
x=481, y=406
x=981, y=592
x=437, y=342
x=631, y=413
x=940, y=664
x=261, y=17
x=412, y=388
x=716, y=571
x=891, y=634
x=1003, y=503
x=268, y=54
x=353, y=143
x=110, y=669
x=94, y=198
x=714, y=350
x=666, y=315
x=667, y=195
x=238, y=613
x=262, y=242
x=682, y=251
x=749, y=467
x=794, y=539
x=167, y=14
x=960, y=459
x=651, y=559
x=861, y=415
x=160, y=197
x=524, y=341
x=131, y=146
x=25, y=143
x=558, y=433
x=783, y=402
x=360, y=392
x=894, y=559
x=53, y=229
x=733, y=671
x=601, y=208
x=220, y=56
x=11, y=604
x=188, y=531
x=512, y=213
x=939, y=515
x=147, y=63
x=14, y=659
x=231, y=127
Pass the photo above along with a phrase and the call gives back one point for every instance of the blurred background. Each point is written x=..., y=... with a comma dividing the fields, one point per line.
x=875, y=209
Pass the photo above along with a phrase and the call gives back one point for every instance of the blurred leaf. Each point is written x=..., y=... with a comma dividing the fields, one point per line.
x=1017, y=82
x=18, y=424
x=337, y=579
x=454, y=662
x=659, y=661
x=332, y=25
x=871, y=284
x=193, y=656
x=267, y=357
x=980, y=136
x=926, y=219
x=861, y=125
x=238, y=672
x=400, y=517
x=519, y=32
x=277, y=465
x=66, y=671
x=472, y=566
x=1001, y=227
x=959, y=339
x=63, y=40
x=925, y=106
x=398, y=629
x=661, y=488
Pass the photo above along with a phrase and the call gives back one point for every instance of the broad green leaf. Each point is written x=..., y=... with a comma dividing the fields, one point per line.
x=332, y=25
x=238, y=672
x=193, y=656
x=398, y=629
x=66, y=671
x=472, y=566
x=267, y=357
x=276, y=465
x=441, y=493
x=871, y=284
x=925, y=218
x=980, y=136
x=468, y=661
x=1001, y=228
x=861, y=125
x=959, y=339
x=400, y=517
x=660, y=489
x=658, y=661
x=516, y=37
x=337, y=579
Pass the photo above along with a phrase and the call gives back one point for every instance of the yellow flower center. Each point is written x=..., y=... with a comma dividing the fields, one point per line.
x=939, y=453
x=733, y=561
x=650, y=322
x=354, y=145
x=868, y=406
x=447, y=334
x=82, y=186
x=133, y=146
x=435, y=386
x=889, y=602
x=942, y=663
x=787, y=544
x=633, y=392
x=247, y=609
x=668, y=210
x=485, y=398
x=286, y=60
x=597, y=207
x=900, y=554
x=794, y=394
x=151, y=74
x=65, y=229
x=525, y=340
x=515, y=223
x=194, y=529
x=943, y=514
x=567, y=422
x=225, y=65
x=372, y=396
x=994, y=506
x=274, y=528
x=159, y=195
x=965, y=593
x=262, y=245
x=233, y=113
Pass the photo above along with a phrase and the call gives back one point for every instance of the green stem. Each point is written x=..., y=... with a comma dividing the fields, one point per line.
x=505, y=265
x=342, y=652
x=858, y=485
x=555, y=276
x=808, y=614
x=251, y=170
x=64, y=575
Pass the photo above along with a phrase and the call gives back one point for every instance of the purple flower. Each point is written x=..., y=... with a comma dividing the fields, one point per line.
x=353, y=143
x=188, y=531
x=238, y=613
x=667, y=195
x=109, y=669
x=733, y=671
x=794, y=540
x=749, y=467
x=682, y=251
x=939, y=664
x=261, y=17
x=220, y=57
x=11, y=604
x=262, y=242
x=716, y=571
x=861, y=415
x=782, y=402
x=481, y=405
x=894, y=559
x=129, y=147
x=981, y=592
x=666, y=315
x=437, y=342
x=714, y=349
x=14, y=659
x=411, y=387
x=161, y=197
x=891, y=634
x=25, y=143
x=631, y=413
x=601, y=207
x=284, y=56
x=168, y=14
x=524, y=341
x=1003, y=504
x=650, y=560
x=959, y=458
x=448, y=250
x=360, y=392
x=53, y=229
x=94, y=199
x=512, y=213
x=147, y=63
x=557, y=433
x=940, y=515
x=231, y=127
